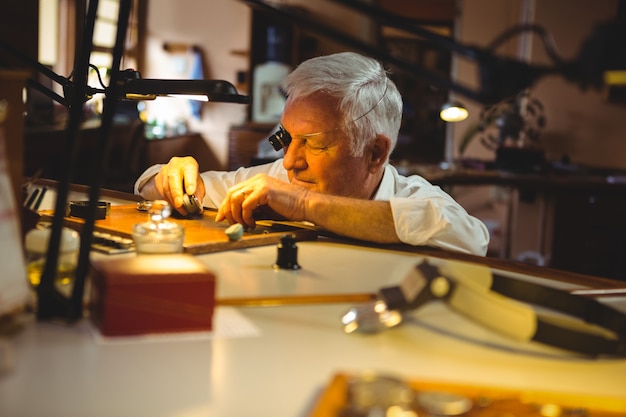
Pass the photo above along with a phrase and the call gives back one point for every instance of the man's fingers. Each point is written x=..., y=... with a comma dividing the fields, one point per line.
x=190, y=176
x=175, y=184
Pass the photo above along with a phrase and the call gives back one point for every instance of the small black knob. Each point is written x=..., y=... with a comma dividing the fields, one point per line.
x=287, y=253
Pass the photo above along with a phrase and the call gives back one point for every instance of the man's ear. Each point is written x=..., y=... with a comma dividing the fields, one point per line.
x=379, y=152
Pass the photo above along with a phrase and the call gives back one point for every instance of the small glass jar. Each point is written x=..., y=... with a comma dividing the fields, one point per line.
x=36, y=246
x=158, y=235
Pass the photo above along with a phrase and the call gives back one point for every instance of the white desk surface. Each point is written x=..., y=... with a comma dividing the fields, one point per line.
x=277, y=360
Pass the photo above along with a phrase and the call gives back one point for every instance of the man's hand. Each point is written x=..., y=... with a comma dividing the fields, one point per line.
x=179, y=176
x=243, y=199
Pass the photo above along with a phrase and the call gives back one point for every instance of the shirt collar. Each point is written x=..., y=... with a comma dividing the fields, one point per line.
x=386, y=188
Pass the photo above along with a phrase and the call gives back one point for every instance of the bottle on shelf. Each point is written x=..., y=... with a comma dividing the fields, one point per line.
x=268, y=100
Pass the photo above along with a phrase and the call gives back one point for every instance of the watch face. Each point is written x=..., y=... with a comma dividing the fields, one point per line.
x=144, y=205
x=443, y=403
x=191, y=203
x=371, y=391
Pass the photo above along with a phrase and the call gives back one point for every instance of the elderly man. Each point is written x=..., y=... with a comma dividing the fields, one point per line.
x=338, y=128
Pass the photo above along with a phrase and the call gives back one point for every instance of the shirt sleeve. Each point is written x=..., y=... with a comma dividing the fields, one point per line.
x=147, y=175
x=425, y=215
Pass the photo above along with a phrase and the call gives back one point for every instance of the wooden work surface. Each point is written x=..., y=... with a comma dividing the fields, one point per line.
x=202, y=233
x=486, y=401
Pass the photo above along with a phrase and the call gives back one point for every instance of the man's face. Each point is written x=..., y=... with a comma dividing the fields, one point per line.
x=322, y=163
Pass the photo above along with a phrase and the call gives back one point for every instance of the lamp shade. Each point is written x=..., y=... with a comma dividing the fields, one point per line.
x=215, y=90
x=453, y=112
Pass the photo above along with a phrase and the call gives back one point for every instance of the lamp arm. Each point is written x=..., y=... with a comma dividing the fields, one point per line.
x=47, y=92
x=131, y=84
x=69, y=88
x=34, y=64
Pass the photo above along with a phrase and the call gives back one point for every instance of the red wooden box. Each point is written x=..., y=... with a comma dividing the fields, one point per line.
x=151, y=294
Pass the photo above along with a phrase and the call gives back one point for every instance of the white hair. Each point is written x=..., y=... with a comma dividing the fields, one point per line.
x=369, y=101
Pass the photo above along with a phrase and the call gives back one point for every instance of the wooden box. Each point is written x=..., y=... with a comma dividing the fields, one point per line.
x=147, y=294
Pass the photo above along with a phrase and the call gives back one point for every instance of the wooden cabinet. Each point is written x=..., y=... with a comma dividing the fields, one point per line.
x=44, y=148
x=130, y=153
x=243, y=143
x=585, y=228
x=590, y=232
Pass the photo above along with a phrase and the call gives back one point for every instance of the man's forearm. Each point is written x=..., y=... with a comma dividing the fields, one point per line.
x=359, y=219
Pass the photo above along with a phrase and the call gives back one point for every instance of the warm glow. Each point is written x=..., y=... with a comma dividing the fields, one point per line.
x=453, y=112
x=615, y=77
x=48, y=31
x=196, y=97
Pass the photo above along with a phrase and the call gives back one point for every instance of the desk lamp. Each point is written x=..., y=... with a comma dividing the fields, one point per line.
x=51, y=304
x=131, y=86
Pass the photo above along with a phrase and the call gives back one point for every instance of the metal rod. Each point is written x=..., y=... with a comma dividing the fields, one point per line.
x=332, y=33
x=50, y=303
x=499, y=77
x=47, y=92
x=280, y=300
x=39, y=67
x=99, y=158
x=406, y=24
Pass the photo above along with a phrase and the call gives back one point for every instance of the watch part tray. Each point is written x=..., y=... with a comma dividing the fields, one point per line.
x=487, y=401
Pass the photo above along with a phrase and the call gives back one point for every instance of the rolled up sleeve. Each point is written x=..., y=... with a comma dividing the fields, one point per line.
x=439, y=223
x=425, y=215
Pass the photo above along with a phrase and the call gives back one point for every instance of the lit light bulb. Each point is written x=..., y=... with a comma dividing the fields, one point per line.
x=453, y=112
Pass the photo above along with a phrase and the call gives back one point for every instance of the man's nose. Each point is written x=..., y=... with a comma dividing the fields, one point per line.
x=295, y=157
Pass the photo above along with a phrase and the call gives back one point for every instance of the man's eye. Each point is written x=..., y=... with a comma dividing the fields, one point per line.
x=311, y=145
x=317, y=149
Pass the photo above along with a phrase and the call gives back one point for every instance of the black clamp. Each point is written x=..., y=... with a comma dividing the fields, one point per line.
x=287, y=257
x=428, y=282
